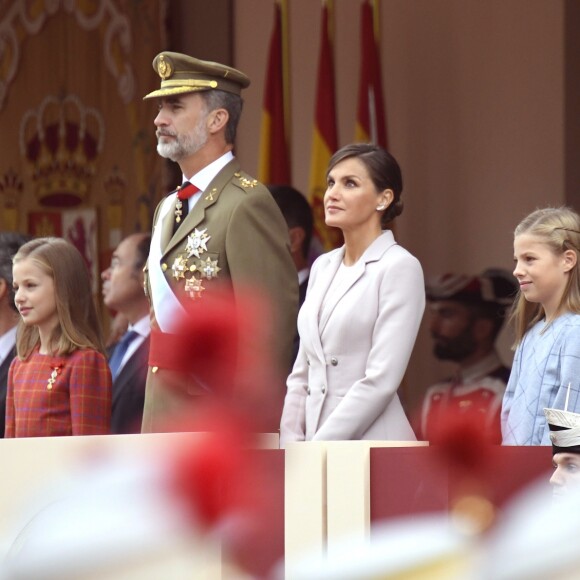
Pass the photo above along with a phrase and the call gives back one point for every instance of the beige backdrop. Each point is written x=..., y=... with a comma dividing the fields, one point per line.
x=84, y=66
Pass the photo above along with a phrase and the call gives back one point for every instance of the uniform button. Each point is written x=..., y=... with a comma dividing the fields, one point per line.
x=323, y=389
x=307, y=389
x=164, y=266
x=333, y=361
x=154, y=369
x=308, y=361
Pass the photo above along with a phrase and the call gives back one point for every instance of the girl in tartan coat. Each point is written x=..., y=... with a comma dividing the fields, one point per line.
x=60, y=383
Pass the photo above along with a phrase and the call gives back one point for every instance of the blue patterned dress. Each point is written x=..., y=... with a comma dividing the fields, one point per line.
x=545, y=362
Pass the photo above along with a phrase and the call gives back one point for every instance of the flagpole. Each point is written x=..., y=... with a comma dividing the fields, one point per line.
x=376, y=20
x=330, y=8
x=286, y=71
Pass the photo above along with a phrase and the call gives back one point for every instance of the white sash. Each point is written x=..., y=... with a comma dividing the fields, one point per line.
x=166, y=306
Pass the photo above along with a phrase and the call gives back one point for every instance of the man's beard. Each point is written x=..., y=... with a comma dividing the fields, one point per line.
x=455, y=349
x=183, y=145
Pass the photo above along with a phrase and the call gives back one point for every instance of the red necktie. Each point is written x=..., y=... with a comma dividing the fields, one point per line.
x=183, y=194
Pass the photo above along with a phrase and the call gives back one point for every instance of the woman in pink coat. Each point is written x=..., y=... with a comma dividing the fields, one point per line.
x=362, y=312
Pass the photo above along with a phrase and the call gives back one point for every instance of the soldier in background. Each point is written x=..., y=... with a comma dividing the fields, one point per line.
x=467, y=314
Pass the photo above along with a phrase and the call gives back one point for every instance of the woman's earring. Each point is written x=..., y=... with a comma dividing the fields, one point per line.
x=381, y=207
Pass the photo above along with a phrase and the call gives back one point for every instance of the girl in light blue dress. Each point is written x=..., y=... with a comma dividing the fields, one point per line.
x=546, y=367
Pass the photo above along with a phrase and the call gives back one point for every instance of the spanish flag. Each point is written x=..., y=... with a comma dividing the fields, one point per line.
x=274, y=163
x=325, y=140
x=370, y=123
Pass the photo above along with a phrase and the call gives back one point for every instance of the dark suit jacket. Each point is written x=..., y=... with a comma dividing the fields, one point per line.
x=129, y=393
x=3, y=387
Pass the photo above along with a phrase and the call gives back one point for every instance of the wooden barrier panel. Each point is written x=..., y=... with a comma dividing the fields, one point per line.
x=327, y=496
x=408, y=481
x=32, y=469
x=348, y=489
x=305, y=502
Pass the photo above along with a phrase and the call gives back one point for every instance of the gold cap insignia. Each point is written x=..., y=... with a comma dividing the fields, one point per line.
x=164, y=67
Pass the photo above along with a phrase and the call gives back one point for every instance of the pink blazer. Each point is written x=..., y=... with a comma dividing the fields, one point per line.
x=351, y=360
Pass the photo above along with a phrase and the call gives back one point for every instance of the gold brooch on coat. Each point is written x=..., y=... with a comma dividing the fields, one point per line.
x=56, y=369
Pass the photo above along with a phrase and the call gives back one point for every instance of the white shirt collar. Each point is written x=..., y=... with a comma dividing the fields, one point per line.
x=204, y=177
x=7, y=342
x=142, y=326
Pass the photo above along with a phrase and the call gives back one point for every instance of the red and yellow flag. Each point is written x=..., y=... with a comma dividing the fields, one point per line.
x=325, y=139
x=370, y=121
x=274, y=161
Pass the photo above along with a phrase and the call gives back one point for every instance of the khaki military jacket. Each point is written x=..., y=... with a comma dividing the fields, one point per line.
x=235, y=233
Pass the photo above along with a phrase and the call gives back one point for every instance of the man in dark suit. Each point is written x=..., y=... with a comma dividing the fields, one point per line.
x=220, y=227
x=298, y=215
x=123, y=293
x=10, y=242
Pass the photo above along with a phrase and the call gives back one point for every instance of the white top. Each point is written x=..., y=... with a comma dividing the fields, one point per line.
x=303, y=275
x=7, y=342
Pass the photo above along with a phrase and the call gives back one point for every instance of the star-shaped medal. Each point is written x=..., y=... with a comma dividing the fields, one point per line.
x=193, y=287
x=179, y=267
x=196, y=243
x=209, y=268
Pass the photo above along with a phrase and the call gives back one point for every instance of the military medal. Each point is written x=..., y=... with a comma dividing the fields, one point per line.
x=178, y=210
x=197, y=243
x=184, y=192
x=194, y=287
x=186, y=264
x=209, y=268
x=179, y=267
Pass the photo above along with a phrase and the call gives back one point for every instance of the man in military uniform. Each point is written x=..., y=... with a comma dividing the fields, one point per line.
x=219, y=226
x=467, y=313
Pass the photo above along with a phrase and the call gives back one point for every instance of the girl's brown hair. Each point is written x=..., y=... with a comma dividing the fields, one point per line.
x=559, y=228
x=79, y=326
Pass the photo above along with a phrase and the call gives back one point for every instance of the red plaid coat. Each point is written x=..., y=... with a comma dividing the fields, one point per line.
x=68, y=395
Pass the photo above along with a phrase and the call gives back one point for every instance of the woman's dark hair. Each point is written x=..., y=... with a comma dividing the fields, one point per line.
x=383, y=169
